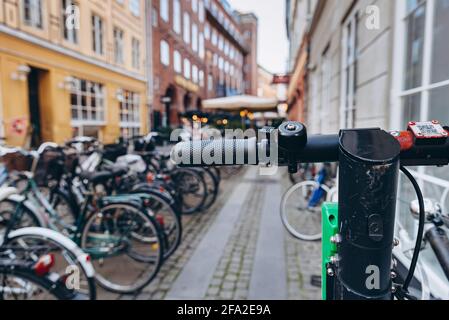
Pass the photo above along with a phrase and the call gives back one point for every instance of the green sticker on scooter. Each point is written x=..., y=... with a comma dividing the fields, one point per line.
x=329, y=249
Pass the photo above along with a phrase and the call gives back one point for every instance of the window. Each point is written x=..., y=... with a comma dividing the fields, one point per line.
x=440, y=67
x=201, y=48
x=195, y=74
x=134, y=7
x=135, y=53
x=163, y=10
x=206, y=31
x=226, y=48
x=220, y=42
x=187, y=71
x=210, y=82
x=221, y=63
x=177, y=16
x=425, y=73
x=421, y=81
x=348, y=74
x=165, y=53
x=87, y=101
x=215, y=59
x=326, y=78
x=195, y=6
x=201, y=78
x=129, y=114
x=32, y=13
x=214, y=37
x=415, y=22
x=201, y=11
x=186, y=27
x=118, y=46
x=155, y=18
x=97, y=35
x=70, y=32
x=177, y=62
x=195, y=37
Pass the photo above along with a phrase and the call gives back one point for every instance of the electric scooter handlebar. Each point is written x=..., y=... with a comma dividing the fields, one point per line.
x=218, y=152
x=292, y=146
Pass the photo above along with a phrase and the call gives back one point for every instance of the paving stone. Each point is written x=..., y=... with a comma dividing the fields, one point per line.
x=213, y=291
x=231, y=278
x=226, y=295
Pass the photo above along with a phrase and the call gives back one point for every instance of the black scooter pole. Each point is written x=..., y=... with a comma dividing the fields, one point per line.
x=368, y=180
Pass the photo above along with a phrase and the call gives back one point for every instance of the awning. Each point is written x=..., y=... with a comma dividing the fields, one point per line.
x=266, y=116
x=243, y=102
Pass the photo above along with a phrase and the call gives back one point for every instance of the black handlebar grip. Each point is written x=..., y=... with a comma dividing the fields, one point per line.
x=439, y=242
x=217, y=152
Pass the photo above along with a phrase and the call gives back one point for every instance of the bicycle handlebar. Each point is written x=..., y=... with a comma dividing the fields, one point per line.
x=317, y=148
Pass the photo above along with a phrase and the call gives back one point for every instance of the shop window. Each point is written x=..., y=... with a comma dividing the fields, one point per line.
x=130, y=121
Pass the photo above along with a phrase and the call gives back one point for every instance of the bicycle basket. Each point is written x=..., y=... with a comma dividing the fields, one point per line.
x=50, y=166
x=113, y=151
x=16, y=160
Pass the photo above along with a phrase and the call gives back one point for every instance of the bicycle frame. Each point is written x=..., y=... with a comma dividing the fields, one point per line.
x=74, y=231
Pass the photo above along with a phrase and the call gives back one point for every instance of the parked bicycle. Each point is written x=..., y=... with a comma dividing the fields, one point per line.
x=301, y=205
x=122, y=240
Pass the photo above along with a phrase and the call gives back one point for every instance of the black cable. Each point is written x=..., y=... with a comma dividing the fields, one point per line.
x=419, y=238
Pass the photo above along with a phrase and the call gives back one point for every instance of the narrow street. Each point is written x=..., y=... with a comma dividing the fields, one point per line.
x=238, y=250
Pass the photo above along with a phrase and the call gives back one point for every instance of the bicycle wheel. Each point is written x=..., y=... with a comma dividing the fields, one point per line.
x=167, y=216
x=190, y=185
x=71, y=265
x=18, y=282
x=302, y=220
x=62, y=204
x=125, y=245
x=212, y=188
x=8, y=210
x=216, y=172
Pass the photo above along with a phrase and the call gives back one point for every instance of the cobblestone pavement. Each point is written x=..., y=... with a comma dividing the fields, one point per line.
x=303, y=262
x=232, y=275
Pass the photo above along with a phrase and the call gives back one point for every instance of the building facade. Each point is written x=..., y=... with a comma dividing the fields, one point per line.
x=72, y=68
x=200, y=51
x=350, y=68
x=298, y=20
x=381, y=64
x=265, y=87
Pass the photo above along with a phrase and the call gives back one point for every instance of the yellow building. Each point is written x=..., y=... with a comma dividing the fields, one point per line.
x=71, y=68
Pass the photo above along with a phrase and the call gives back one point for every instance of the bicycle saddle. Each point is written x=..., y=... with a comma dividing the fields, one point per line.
x=96, y=177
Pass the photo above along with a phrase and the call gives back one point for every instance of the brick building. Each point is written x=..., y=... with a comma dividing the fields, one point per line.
x=202, y=49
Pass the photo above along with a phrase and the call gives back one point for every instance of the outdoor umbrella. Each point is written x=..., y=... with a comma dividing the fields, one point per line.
x=243, y=102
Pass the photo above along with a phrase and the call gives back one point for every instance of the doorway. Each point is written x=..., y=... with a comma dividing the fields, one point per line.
x=35, y=129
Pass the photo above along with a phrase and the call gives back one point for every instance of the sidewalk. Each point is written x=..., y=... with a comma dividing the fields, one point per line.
x=238, y=250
